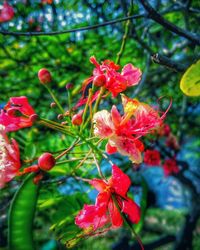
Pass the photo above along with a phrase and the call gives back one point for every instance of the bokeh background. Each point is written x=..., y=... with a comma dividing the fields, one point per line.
x=172, y=210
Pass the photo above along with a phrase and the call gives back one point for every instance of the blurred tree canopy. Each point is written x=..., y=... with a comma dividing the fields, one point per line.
x=163, y=40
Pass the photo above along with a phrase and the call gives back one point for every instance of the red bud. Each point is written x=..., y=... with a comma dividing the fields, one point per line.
x=44, y=76
x=46, y=161
x=99, y=80
x=77, y=119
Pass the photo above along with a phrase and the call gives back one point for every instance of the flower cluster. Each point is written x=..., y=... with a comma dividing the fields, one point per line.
x=152, y=157
x=112, y=199
x=123, y=132
x=106, y=75
x=6, y=13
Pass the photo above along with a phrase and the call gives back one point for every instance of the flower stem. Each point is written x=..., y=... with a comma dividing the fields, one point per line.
x=54, y=98
x=127, y=25
x=127, y=223
x=68, y=149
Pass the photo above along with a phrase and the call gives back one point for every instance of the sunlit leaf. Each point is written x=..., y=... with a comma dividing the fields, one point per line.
x=190, y=81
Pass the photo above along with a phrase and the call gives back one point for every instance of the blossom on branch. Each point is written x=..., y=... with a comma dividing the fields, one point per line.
x=6, y=13
x=152, y=157
x=9, y=158
x=106, y=75
x=123, y=132
x=17, y=114
x=106, y=211
x=170, y=167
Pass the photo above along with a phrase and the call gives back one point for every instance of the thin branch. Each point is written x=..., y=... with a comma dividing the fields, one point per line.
x=154, y=15
x=90, y=27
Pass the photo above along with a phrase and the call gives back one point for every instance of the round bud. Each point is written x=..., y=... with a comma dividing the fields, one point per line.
x=53, y=105
x=44, y=76
x=60, y=117
x=77, y=119
x=46, y=161
x=99, y=80
x=33, y=117
x=69, y=85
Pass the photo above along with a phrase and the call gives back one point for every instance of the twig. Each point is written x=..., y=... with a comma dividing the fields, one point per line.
x=90, y=27
x=153, y=14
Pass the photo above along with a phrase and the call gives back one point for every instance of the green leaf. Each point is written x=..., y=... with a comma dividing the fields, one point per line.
x=21, y=216
x=190, y=81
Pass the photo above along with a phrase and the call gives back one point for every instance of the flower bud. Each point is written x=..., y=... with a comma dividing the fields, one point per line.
x=69, y=86
x=60, y=117
x=77, y=119
x=99, y=80
x=53, y=105
x=46, y=161
x=44, y=76
x=33, y=117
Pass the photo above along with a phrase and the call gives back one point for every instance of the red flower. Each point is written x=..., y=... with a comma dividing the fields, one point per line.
x=9, y=158
x=123, y=132
x=6, y=13
x=105, y=210
x=10, y=118
x=106, y=74
x=170, y=167
x=152, y=157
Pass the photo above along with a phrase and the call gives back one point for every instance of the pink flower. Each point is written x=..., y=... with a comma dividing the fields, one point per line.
x=105, y=210
x=123, y=132
x=6, y=13
x=152, y=157
x=17, y=114
x=106, y=74
x=170, y=167
x=9, y=158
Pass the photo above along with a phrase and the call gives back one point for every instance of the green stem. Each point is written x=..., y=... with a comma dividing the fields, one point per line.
x=54, y=98
x=119, y=54
x=127, y=223
x=68, y=149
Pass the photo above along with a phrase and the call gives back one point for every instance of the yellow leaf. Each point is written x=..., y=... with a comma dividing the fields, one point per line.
x=190, y=81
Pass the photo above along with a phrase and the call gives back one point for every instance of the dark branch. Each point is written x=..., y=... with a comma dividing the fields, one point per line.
x=53, y=33
x=165, y=61
x=153, y=14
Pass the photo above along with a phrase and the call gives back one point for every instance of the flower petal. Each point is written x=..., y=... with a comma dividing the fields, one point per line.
x=115, y=215
x=131, y=74
x=110, y=149
x=103, y=125
x=119, y=181
x=89, y=216
x=128, y=147
x=132, y=210
x=98, y=184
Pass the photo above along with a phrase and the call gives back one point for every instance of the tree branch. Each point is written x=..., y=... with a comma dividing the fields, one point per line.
x=154, y=15
x=53, y=33
x=165, y=61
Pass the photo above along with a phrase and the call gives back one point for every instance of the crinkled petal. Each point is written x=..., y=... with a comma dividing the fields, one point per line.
x=131, y=74
x=89, y=216
x=127, y=147
x=98, y=184
x=110, y=149
x=116, y=117
x=119, y=181
x=130, y=208
x=103, y=125
x=115, y=215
